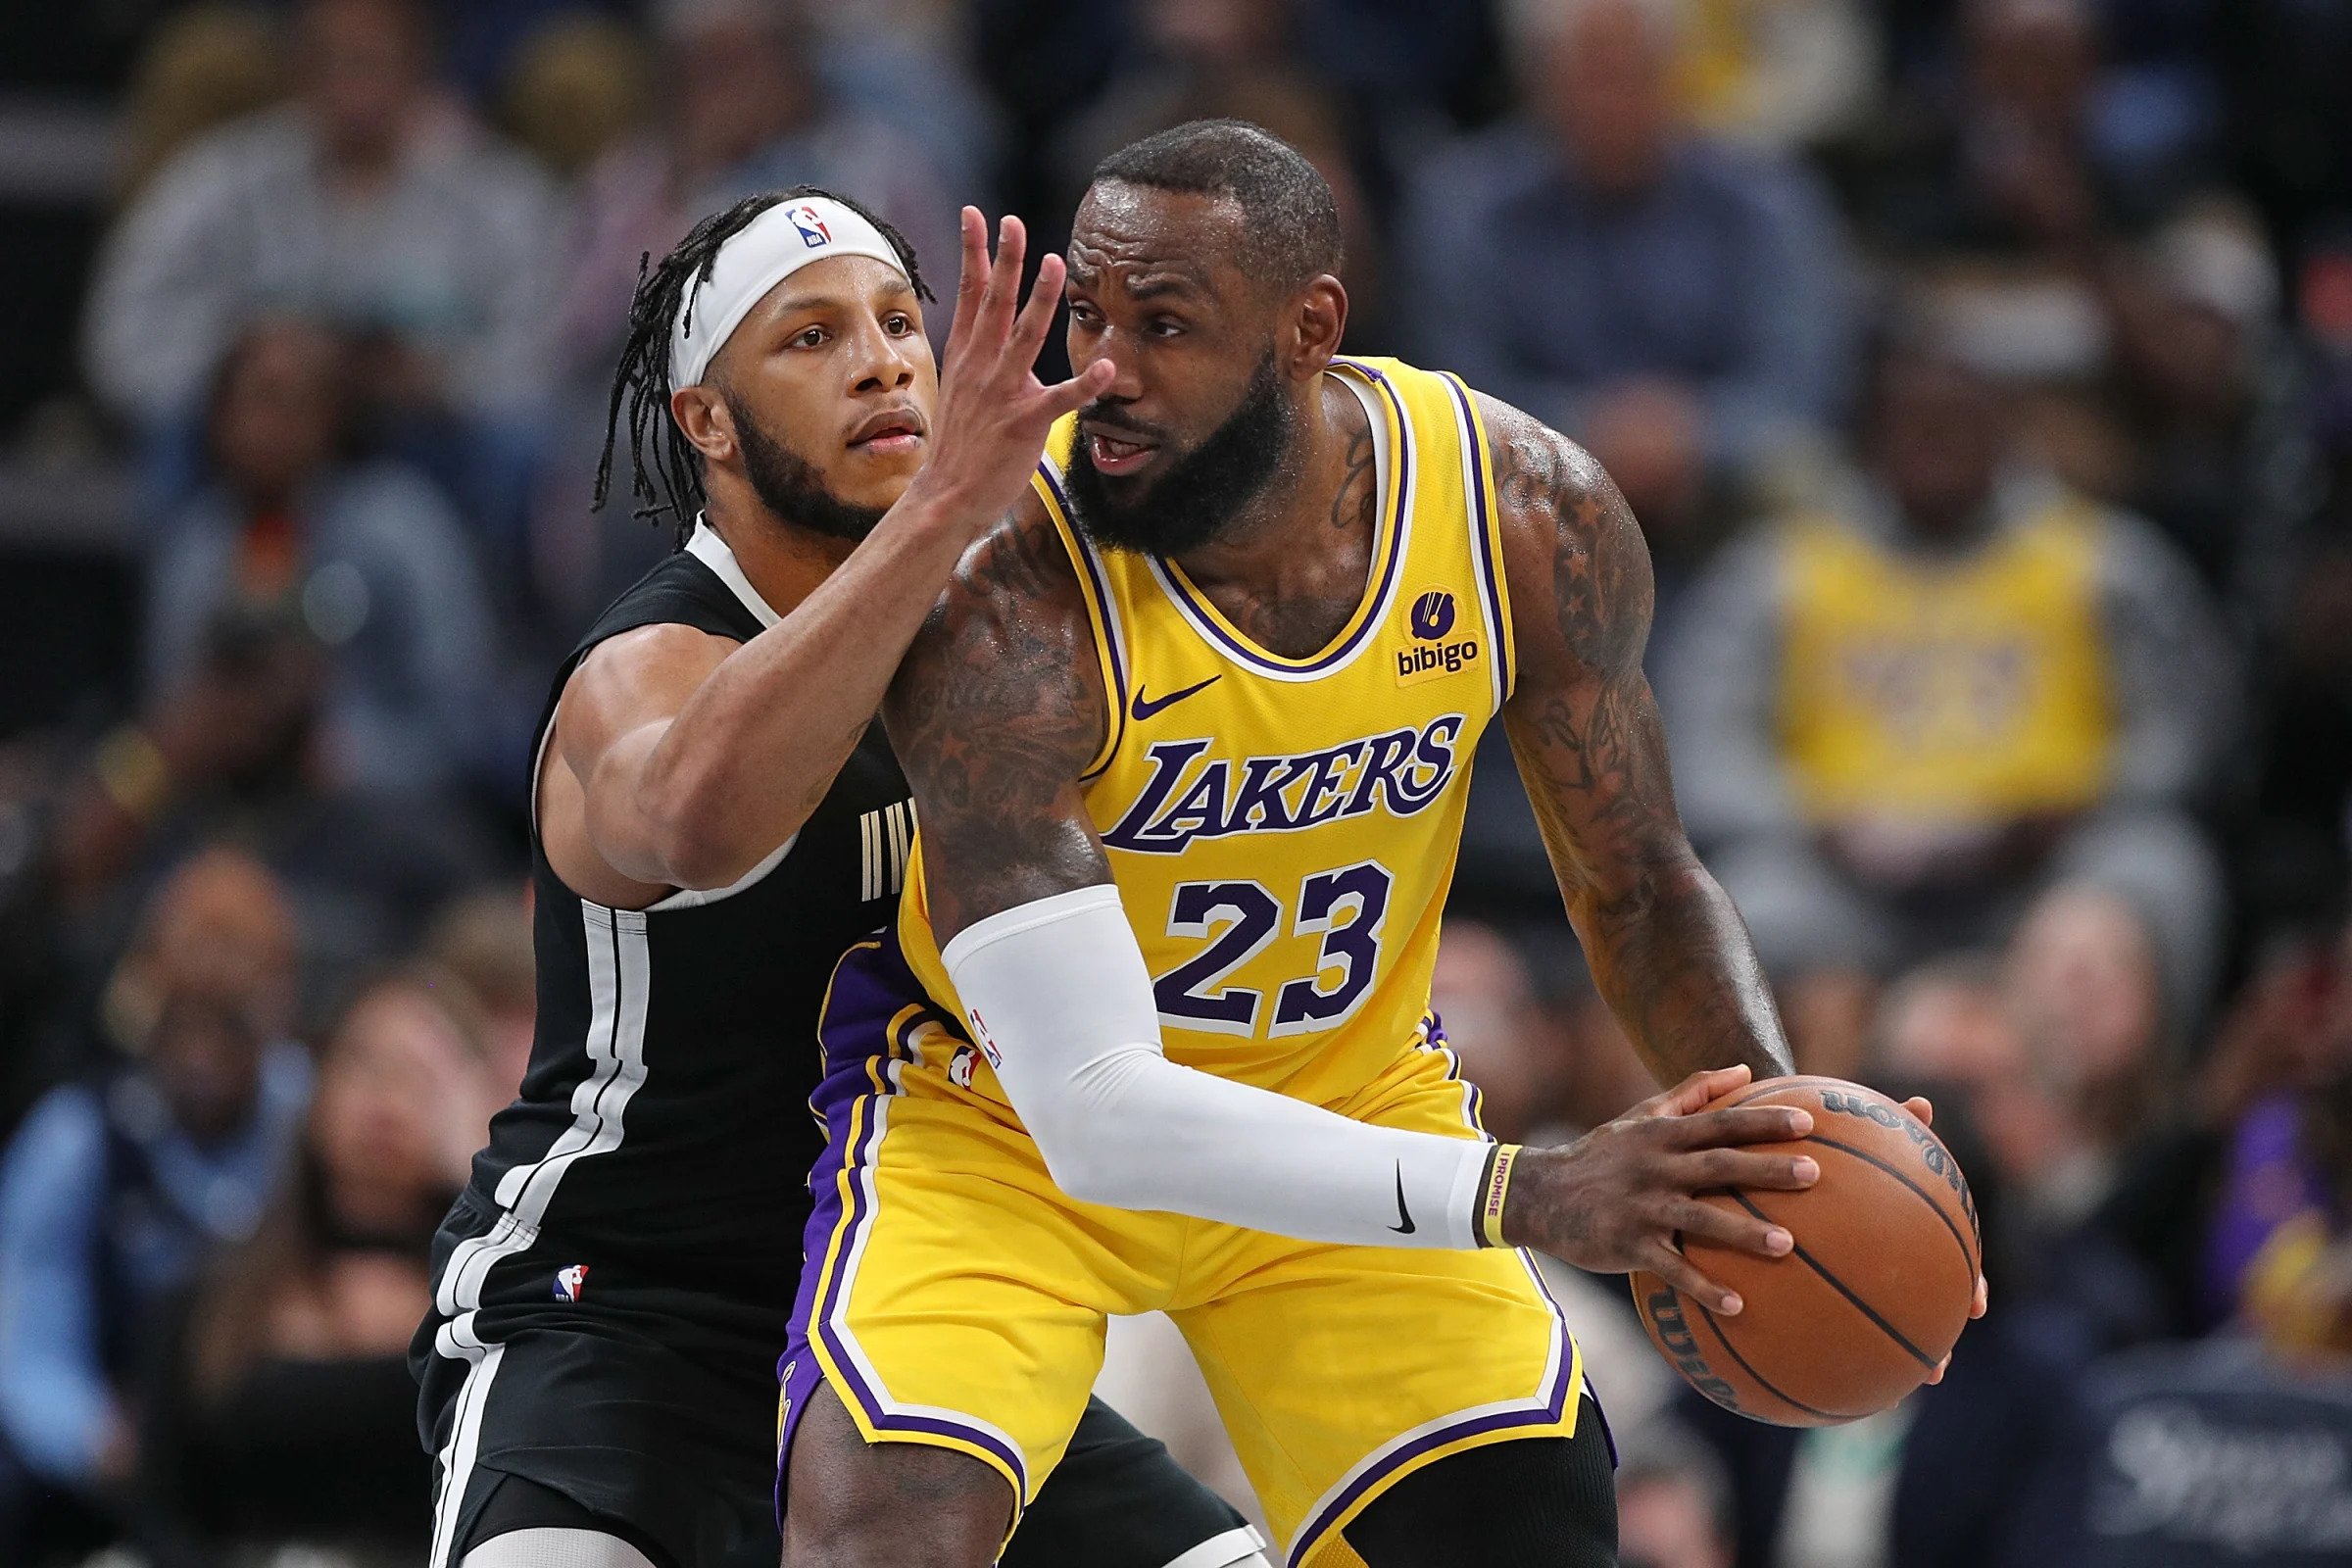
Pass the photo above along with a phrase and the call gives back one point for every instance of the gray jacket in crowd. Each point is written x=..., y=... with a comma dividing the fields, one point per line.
x=456, y=256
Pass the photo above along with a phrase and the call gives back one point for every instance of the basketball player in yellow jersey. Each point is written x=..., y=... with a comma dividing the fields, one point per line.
x=1190, y=737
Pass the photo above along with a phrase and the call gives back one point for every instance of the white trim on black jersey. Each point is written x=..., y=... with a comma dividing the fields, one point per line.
x=706, y=547
x=619, y=976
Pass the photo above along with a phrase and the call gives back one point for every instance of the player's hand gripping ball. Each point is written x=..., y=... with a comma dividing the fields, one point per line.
x=1873, y=1297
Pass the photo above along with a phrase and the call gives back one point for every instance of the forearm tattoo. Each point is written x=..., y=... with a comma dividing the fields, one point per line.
x=1666, y=947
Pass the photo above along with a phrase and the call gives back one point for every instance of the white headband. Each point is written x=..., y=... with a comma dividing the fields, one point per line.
x=767, y=250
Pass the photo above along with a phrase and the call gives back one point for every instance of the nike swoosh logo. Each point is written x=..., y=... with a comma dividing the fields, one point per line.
x=1144, y=707
x=1403, y=1213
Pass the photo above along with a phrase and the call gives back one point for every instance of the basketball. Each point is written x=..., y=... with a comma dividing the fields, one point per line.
x=1872, y=1295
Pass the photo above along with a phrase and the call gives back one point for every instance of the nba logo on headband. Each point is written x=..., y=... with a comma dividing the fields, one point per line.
x=771, y=248
x=812, y=224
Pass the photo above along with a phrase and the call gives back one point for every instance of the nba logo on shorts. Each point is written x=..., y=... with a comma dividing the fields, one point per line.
x=959, y=1067
x=814, y=231
x=570, y=1282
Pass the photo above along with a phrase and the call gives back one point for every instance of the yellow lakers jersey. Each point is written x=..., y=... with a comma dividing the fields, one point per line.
x=1283, y=831
x=1945, y=691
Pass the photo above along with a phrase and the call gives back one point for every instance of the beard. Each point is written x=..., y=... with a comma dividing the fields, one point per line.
x=1202, y=491
x=789, y=485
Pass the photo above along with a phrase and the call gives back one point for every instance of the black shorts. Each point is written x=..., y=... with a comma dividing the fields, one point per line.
x=661, y=1428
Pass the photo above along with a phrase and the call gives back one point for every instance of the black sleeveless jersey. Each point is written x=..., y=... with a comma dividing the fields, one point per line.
x=663, y=1137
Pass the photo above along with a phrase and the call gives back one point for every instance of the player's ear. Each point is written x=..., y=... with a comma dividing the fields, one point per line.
x=707, y=420
x=1318, y=317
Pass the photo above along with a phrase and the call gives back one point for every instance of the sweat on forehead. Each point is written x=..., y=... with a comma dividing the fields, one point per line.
x=1153, y=237
x=1272, y=213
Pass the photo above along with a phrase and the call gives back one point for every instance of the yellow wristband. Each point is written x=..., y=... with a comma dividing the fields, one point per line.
x=1498, y=1187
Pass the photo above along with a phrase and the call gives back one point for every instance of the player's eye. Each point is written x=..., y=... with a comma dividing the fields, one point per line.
x=1081, y=312
x=899, y=326
x=809, y=338
x=1166, y=326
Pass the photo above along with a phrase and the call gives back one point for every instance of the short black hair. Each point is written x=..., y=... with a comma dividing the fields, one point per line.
x=1292, y=223
x=667, y=468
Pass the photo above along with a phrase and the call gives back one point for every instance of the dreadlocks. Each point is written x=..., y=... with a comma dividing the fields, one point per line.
x=666, y=470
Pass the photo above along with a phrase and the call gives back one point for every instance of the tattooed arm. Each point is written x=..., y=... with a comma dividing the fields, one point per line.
x=1668, y=950
x=996, y=710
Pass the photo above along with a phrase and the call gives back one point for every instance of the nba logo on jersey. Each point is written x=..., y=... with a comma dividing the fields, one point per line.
x=959, y=1067
x=1431, y=617
x=814, y=231
x=570, y=1282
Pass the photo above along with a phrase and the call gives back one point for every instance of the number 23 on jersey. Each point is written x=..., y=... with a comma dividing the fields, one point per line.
x=1348, y=908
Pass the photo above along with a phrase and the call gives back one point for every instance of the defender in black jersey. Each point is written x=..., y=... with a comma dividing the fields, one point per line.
x=713, y=825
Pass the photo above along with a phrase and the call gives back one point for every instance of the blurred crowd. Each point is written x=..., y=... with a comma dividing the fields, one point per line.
x=1980, y=370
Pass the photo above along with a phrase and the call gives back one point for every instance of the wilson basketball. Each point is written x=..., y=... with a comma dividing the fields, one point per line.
x=1874, y=1291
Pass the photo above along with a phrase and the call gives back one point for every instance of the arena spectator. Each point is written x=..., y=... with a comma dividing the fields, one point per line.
x=2276, y=1176
x=2211, y=400
x=908, y=63
x=1778, y=73
x=117, y=1186
x=296, y=1418
x=367, y=555
x=1676, y=307
x=2082, y=983
x=2016, y=154
x=1496, y=1026
x=745, y=109
x=2295, y=1292
x=231, y=757
x=1894, y=716
x=1947, y=1023
x=1235, y=60
x=578, y=83
x=1674, y=1501
x=484, y=939
x=206, y=65
x=369, y=201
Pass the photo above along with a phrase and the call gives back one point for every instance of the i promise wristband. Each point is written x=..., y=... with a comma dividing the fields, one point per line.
x=1493, y=1190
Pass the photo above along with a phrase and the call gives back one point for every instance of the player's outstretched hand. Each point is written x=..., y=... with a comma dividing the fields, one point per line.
x=1621, y=1196
x=989, y=427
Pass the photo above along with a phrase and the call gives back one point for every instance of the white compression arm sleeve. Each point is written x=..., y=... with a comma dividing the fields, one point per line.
x=1058, y=999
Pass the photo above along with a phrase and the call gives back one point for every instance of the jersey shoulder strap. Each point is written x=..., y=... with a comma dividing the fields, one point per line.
x=1454, y=497
x=1093, y=585
x=684, y=590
